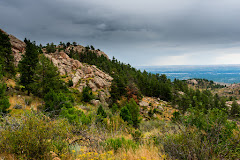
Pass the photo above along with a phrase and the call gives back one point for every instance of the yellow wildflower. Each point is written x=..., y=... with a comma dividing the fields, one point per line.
x=110, y=152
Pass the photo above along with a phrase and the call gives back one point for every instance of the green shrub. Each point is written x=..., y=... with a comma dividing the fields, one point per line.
x=114, y=108
x=70, y=83
x=203, y=136
x=32, y=136
x=137, y=135
x=117, y=143
x=87, y=94
x=54, y=102
x=101, y=114
x=73, y=115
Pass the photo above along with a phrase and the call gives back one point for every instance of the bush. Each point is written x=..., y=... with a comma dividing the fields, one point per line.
x=54, y=102
x=32, y=136
x=204, y=136
x=114, y=108
x=73, y=115
x=137, y=135
x=101, y=114
x=87, y=94
x=70, y=83
x=117, y=143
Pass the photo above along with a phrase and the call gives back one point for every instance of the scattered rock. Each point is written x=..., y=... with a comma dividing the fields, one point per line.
x=160, y=108
x=143, y=103
x=95, y=102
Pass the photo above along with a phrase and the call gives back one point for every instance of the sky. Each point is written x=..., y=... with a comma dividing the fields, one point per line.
x=138, y=32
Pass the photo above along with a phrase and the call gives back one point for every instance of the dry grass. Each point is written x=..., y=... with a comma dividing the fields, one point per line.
x=20, y=100
x=142, y=153
x=11, y=83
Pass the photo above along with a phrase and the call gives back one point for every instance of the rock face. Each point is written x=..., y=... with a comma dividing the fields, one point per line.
x=18, y=47
x=82, y=75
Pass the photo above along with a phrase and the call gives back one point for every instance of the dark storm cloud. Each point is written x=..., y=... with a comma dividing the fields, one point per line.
x=138, y=32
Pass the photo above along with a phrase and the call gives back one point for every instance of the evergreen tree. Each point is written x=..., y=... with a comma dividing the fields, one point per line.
x=6, y=57
x=4, y=101
x=46, y=77
x=87, y=94
x=51, y=48
x=114, y=108
x=101, y=114
x=134, y=111
x=235, y=110
x=28, y=65
x=125, y=115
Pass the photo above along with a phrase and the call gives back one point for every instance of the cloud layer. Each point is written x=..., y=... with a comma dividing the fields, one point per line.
x=145, y=32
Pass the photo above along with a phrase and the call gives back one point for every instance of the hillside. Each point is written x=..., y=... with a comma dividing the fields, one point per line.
x=67, y=101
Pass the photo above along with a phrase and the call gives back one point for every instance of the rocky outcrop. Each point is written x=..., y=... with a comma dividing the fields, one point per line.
x=18, y=47
x=192, y=81
x=82, y=74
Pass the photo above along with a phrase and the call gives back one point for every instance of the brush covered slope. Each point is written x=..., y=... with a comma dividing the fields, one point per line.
x=74, y=102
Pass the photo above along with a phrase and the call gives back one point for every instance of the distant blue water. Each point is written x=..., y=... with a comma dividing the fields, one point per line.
x=217, y=73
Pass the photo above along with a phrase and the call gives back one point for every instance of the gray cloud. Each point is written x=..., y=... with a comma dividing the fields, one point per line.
x=142, y=32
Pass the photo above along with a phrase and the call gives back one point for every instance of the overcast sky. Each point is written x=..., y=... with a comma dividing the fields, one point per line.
x=139, y=32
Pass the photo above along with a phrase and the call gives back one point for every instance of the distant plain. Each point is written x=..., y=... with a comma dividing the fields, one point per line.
x=216, y=73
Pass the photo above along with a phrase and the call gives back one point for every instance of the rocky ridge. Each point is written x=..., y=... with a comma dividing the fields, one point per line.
x=80, y=49
x=81, y=74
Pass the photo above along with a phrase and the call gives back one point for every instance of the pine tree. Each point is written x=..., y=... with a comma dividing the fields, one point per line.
x=6, y=57
x=28, y=65
x=125, y=115
x=87, y=97
x=101, y=114
x=134, y=111
x=235, y=110
x=46, y=77
x=4, y=102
